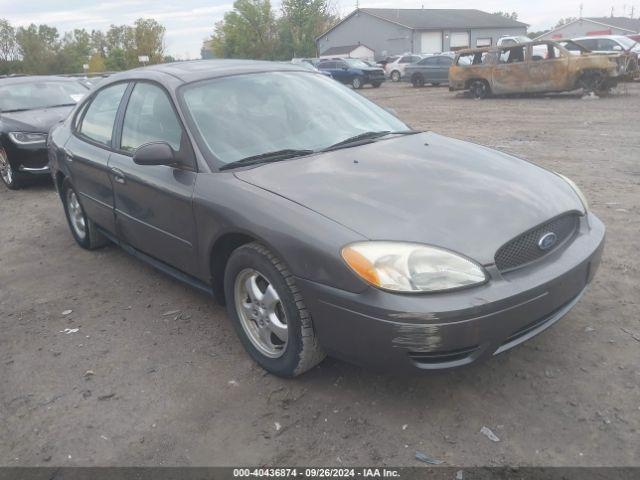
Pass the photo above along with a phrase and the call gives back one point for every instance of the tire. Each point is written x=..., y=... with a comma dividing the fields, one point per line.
x=357, y=83
x=259, y=316
x=417, y=81
x=87, y=237
x=376, y=84
x=479, y=89
x=9, y=176
x=395, y=76
x=435, y=84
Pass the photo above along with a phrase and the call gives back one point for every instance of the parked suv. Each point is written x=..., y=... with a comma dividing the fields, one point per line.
x=353, y=72
x=395, y=69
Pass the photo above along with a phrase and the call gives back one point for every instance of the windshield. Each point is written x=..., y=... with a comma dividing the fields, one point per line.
x=245, y=115
x=39, y=94
x=353, y=62
x=626, y=42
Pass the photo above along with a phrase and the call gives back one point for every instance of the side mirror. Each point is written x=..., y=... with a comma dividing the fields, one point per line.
x=155, y=153
x=617, y=48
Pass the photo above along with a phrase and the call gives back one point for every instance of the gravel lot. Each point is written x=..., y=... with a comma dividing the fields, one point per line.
x=154, y=375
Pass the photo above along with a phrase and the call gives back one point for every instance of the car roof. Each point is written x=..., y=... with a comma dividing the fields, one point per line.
x=192, y=71
x=14, y=80
x=611, y=37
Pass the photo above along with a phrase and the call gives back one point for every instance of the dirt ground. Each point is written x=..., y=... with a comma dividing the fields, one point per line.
x=154, y=374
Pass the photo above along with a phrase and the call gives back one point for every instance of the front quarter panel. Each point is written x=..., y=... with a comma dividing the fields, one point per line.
x=308, y=242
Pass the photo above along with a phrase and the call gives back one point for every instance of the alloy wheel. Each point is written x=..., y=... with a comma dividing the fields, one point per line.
x=261, y=313
x=6, y=172
x=395, y=76
x=76, y=215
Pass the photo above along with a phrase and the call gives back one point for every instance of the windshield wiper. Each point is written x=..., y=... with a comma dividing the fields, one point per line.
x=267, y=157
x=60, y=105
x=366, y=137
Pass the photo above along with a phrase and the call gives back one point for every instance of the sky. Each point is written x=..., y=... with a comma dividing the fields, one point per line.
x=189, y=22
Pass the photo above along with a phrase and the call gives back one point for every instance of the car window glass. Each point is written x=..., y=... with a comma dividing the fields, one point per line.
x=100, y=116
x=589, y=43
x=512, y=55
x=150, y=118
x=606, y=44
x=430, y=61
x=415, y=58
x=405, y=59
x=446, y=61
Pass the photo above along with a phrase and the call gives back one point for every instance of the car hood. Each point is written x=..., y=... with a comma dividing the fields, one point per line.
x=423, y=188
x=34, y=120
x=372, y=70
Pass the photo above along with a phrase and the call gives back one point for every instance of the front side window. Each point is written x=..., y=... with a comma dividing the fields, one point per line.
x=98, y=120
x=445, y=61
x=150, y=118
x=244, y=115
x=512, y=55
x=429, y=61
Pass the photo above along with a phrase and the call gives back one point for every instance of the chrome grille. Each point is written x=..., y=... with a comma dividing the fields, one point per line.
x=524, y=248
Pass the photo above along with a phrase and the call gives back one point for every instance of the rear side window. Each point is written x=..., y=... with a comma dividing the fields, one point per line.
x=100, y=115
x=429, y=61
x=445, y=61
x=150, y=118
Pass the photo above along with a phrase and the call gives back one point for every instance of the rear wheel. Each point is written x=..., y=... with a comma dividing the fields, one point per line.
x=83, y=229
x=357, y=83
x=268, y=312
x=479, y=89
x=395, y=76
x=7, y=173
x=417, y=80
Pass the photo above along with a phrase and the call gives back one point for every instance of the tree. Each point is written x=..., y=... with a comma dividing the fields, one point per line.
x=37, y=45
x=248, y=31
x=302, y=21
x=564, y=21
x=97, y=63
x=512, y=15
x=8, y=44
x=149, y=40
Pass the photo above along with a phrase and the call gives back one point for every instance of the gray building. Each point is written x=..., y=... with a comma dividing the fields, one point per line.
x=390, y=31
x=583, y=27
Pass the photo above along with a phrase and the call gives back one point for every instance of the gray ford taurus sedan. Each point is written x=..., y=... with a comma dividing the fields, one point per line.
x=324, y=223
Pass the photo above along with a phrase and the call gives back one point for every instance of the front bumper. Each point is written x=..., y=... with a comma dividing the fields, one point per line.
x=28, y=159
x=409, y=332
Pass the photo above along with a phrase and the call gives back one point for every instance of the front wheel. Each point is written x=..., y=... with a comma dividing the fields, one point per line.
x=82, y=227
x=395, y=76
x=357, y=83
x=376, y=84
x=268, y=312
x=479, y=89
x=7, y=173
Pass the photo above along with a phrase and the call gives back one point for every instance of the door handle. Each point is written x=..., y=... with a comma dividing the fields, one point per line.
x=118, y=175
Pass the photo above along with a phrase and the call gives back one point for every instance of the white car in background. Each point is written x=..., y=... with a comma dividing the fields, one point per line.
x=395, y=70
x=509, y=40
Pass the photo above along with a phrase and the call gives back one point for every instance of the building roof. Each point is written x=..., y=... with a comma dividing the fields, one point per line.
x=342, y=50
x=625, y=23
x=437, y=18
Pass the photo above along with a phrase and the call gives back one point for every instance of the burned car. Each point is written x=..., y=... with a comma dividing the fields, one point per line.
x=535, y=67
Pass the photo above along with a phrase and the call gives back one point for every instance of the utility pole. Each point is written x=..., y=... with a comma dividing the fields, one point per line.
x=581, y=7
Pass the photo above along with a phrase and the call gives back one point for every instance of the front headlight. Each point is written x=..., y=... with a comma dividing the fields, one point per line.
x=411, y=267
x=576, y=189
x=23, y=138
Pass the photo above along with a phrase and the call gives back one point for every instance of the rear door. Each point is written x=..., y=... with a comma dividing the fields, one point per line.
x=87, y=154
x=548, y=69
x=153, y=203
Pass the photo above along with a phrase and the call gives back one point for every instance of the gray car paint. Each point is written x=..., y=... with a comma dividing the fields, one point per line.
x=425, y=188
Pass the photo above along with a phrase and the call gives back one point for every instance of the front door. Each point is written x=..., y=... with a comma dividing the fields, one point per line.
x=87, y=153
x=153, y=203
x=511, y=74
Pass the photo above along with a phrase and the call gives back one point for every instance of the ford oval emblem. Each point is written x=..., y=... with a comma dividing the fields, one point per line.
x=547, y=241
